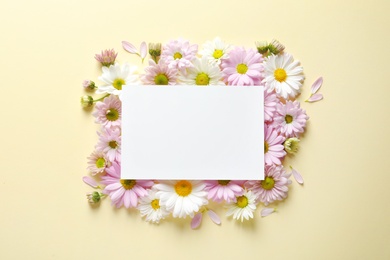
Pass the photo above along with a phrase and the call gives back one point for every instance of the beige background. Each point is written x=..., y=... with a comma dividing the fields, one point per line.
x=47, y=49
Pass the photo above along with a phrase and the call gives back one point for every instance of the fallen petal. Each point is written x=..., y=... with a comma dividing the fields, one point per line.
x=297, y=176
x=316, y=85
x=129, y=47
x=91, y=182
x=214, y=217
x=195, y=222
x=143, y=50
x=315, y=98
x=267, y=211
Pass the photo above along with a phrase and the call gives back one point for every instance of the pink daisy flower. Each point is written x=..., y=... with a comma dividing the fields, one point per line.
x=290, y=119
x=109, y=112
x=219, y=190
x=273, y=146
x=179, y=54
x=273, y=187
x=107, y=57
x=97, y=162
x=243, y=68
x=110, y=143
x=121, y=191
x=270, y=102
x=159, y=74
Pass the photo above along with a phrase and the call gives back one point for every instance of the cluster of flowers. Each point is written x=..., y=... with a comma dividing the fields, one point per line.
x=218, y=63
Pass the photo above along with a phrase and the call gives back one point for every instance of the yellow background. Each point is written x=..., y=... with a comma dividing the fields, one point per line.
x=46, y=51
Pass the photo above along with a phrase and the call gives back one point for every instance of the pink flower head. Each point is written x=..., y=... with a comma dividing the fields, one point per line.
x=270, y=102
x=107, y=57
x=179, y=54
x=159, y=74
x=243, y=67
x=109, y=112
x=290, y=119
x=274, y=186
x=121, y=191
x=219, y=190
x=97, y=162
x=273, y=146
x=110, y=143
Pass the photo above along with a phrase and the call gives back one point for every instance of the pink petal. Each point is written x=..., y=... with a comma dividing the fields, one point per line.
x=91, y=182
x=315, y=98
x=196, y=220
x=316, y=85
x=129, y=47
x=267, y=211
x=143, y=50
x=297, y=176
x=214, y=217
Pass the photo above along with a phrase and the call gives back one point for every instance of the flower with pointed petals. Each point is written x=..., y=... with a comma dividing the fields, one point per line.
x=107, y=57
x=122, y=191
x=116, y=77
x=108, y=113
x=214, y=51
x=274, y=187
x=243, y=68
x=291, y=145
x=179, y=54
x=243, y=207
x=202, y=73
x=290, y=119
x=110, y=143
x=149, y=206
x=284, y=75
x=182, y=197
x=273, y=146
x=159, y=74
x=270, y=102
x=97, y=162
x=224, y=190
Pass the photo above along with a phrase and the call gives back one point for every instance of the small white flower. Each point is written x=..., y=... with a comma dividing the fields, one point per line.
x=202, y=73
x=243, y=207
x=150, y=207
x=214, y=51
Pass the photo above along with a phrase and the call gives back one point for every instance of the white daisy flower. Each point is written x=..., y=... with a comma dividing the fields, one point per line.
x=115, y=77
x=283, y=75
x=202, y=73
x=244, y=207
x=149, y=206
x=216, y=50
x=181, y=197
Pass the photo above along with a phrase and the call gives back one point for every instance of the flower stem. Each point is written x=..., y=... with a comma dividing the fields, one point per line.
x=96, y=100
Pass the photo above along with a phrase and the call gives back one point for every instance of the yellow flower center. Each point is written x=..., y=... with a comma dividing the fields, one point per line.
x=155, y=204
x=223, y=182
x=177, y=55
x=118, y=83
x=266, y=146
x=242, y=68
x=100, y=162
x=242, y=202
x=288, y=119
x=128, y=184
x=268, y=183
x=112, y=114
x=217, y=54
x=113, y=144
x=183, y=188
x=161, y=79
x=280, y=75
x=202, y=79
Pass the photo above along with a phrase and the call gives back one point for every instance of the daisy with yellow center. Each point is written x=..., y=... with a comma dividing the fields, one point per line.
x=97, y=162
x=159, y=74
x=181, y=197
x=108, y=113
x=216, y=50
x=149, y=207
x=202, y=73
x=243, y=207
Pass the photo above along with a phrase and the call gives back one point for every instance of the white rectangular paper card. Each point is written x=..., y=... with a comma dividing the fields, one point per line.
x=192, y=132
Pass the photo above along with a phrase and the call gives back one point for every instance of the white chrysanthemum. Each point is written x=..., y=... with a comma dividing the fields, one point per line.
x=244, y=207
x=216, y=50
x=181, y=197
x=202, y=73
x=115, y=77
x=284, y=75
x=150, y=207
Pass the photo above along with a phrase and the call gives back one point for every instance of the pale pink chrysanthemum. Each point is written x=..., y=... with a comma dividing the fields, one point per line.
x=107, y=57
x=110, y=143
x=109, y=112
x=274, y=187
x=273, y=146
x=290, y=119
x=243, y=67
x=159, y=74
x=97, y=162
x=121, y=191
x=270, y=102
x=220, y=190
x=179, y=54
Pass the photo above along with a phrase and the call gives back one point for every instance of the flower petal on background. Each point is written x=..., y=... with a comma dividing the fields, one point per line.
x=129, y=47
x=297, y=176
x=315, y=98
x=195, y=222
x=214, y=217
x=316, y=85
x=91, y=182
x=267, y=211
x=143, y=50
